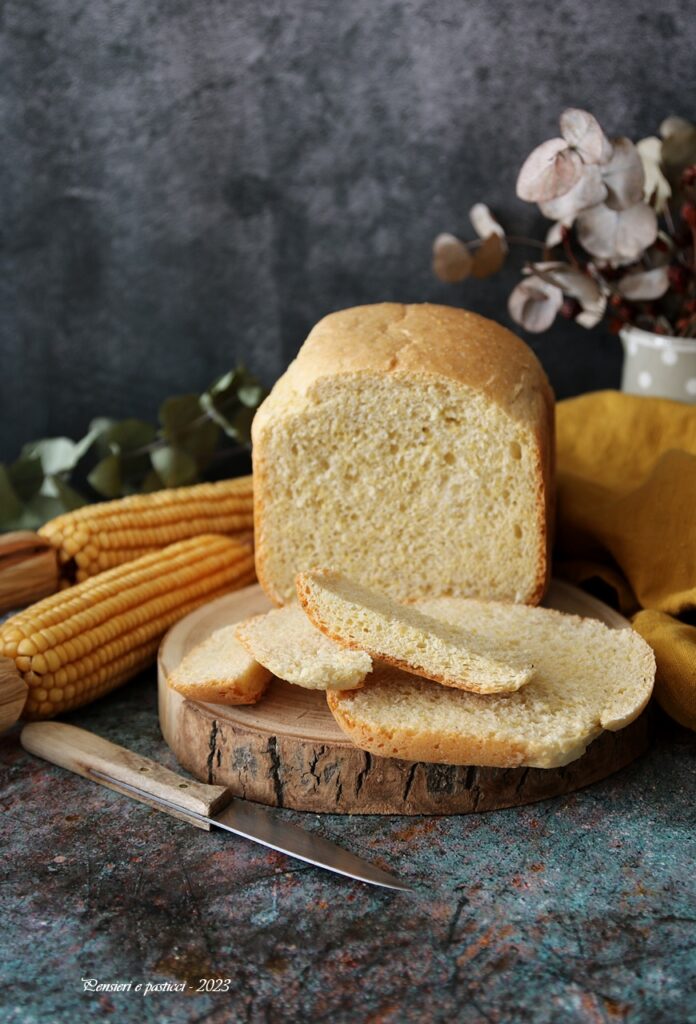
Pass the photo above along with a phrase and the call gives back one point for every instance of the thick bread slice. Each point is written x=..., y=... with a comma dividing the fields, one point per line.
x=406, y=638
x=588, y=678
x=410, y=447
x=287, y=643
x=219, y=670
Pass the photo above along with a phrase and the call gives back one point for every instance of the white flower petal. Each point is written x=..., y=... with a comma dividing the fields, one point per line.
x=591, y=315
x=617, y=236
x=578, y=285
x=588, y=191
x=650, y=152
x=554, y=236
x=534, y=303
x=644, y=284
x=582, y=131
x=483, y=222
x=549, y=171
x=624, y=176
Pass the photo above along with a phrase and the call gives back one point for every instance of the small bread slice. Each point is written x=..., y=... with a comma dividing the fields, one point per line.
x=405, y=637
x=588, y=678
x=219, y=670
x=286, y=642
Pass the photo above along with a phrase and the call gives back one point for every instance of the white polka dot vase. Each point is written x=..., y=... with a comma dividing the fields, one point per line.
x=656, y=364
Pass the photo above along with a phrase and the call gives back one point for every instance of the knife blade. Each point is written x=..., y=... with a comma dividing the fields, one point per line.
x=200, y=804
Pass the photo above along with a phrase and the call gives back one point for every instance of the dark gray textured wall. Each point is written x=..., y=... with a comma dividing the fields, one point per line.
x=185, y=184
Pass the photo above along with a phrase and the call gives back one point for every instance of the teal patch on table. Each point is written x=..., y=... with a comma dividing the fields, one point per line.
x=579, y=909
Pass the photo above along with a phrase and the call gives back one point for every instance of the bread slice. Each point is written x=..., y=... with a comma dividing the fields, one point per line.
x=410, y=447
x=219, y=670
x=287, y=643
x=588, y=678
x=405, y=637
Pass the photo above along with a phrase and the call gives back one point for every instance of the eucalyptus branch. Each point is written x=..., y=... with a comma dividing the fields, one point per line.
x=119, y=458
x=612, y=196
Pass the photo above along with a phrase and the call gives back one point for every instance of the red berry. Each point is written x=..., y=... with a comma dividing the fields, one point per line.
x=570, y=308
x=688, y=212
x=689, y=176
x=678, y=278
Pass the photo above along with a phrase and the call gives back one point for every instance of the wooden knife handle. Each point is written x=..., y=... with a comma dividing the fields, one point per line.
x=87, y=754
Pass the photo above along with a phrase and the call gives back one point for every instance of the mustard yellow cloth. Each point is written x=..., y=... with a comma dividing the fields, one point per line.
x=627, y=516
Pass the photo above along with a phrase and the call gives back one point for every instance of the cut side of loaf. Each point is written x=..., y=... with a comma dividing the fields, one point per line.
x=219, y=670
x=588, y=678
x=287, y=643
x=405, y=637
x=410, y=447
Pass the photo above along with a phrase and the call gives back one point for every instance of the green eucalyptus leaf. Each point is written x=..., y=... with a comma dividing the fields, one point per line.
x=232, y=407
x=242, y=425
x=186, y=425
x=34, y=514
x=48, y=487
x=57, y=454
x=26, y=476
x=106, y=478
x=174, y=466
x=99, y=429
x=40, y=509
x=130, y=440
x=83, y=446
x=178, y=414
x=26, y=520
x=100, y=424
x=226, y=423
x=129, y=435
x=131, y=458
x=202, y=442
x=209, y=406
x=227, y=382
x=251, y=395
x=151, y=483
x=10, y=505
x=68, y=496
x=133, y=469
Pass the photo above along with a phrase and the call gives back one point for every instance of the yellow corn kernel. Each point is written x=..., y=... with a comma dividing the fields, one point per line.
x=96, y=538
x=88, y=640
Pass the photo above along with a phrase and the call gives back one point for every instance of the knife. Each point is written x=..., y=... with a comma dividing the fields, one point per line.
x=200, y=804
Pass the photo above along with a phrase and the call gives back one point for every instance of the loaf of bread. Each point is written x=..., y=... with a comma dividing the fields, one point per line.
x=405, y=637
x=219, y=670
x=286, y=642
x=588, y=678
x=410, y=447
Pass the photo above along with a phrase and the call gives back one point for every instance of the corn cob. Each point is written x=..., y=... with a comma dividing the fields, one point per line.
x=75, y=646
x=99, y=537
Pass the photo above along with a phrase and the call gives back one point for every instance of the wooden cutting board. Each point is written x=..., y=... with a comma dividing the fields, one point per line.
x=287, y=750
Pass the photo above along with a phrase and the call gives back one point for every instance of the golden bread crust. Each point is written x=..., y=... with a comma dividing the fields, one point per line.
x=476, y=743
x=313, y=612
x=421, y=340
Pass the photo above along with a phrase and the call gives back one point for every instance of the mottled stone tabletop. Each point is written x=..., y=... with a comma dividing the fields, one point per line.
x=579, y=909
